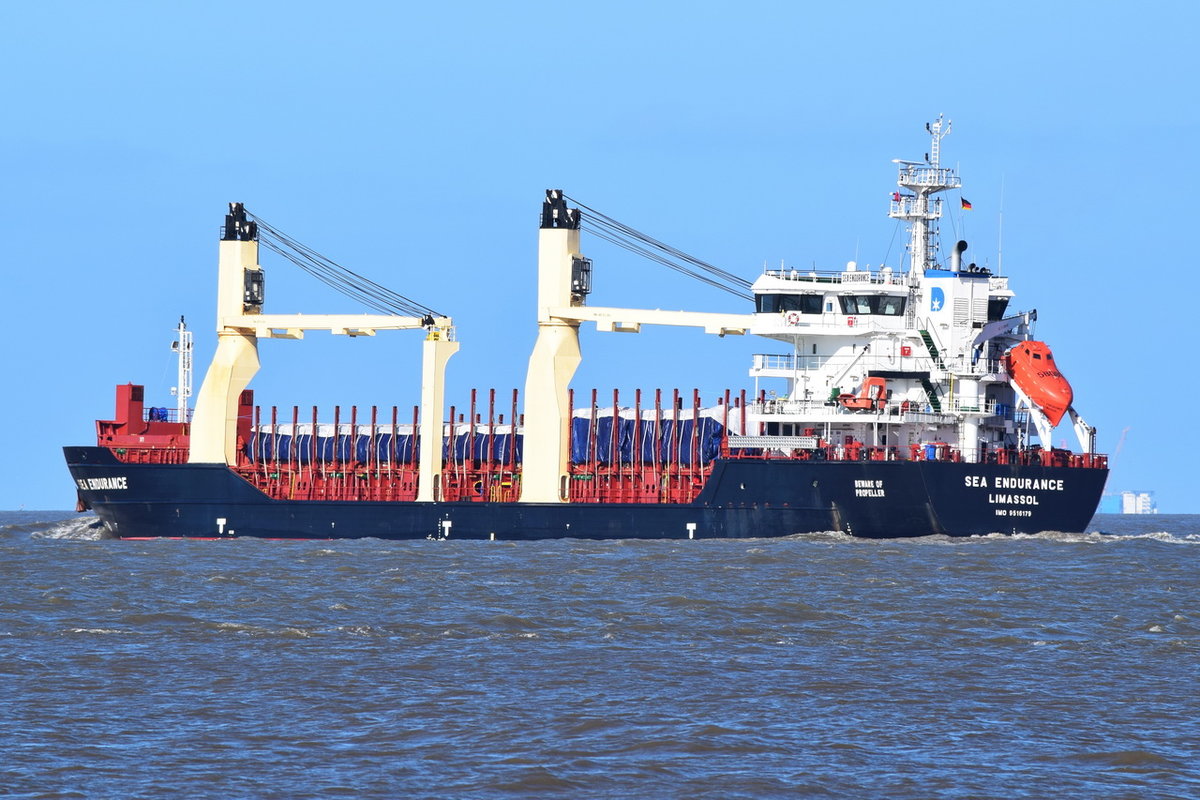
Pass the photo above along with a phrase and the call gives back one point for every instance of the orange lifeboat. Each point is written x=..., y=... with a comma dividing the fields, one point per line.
x=1031, y=367
x=872, y=397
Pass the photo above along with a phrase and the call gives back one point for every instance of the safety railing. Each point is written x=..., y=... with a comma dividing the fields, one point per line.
x=163, y=414
x=882, y=277
x=787, y=362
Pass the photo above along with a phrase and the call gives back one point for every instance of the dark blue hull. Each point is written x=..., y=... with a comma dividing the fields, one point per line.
x=742, y=499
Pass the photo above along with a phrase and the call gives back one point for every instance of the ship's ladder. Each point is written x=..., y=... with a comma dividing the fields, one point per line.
x=932, y=348
x=930, y=390
x=932, y=394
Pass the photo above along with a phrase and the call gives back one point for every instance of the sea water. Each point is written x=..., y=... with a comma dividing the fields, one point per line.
x=1038, y=666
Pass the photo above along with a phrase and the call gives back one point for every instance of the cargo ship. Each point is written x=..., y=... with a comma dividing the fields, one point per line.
x=907, y=401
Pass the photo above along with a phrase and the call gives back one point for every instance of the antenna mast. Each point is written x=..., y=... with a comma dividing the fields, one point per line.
x=1000, y=233
x=183, y=389
x=916, y=204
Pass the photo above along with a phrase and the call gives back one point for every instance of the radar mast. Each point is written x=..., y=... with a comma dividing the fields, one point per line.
x=915, y=203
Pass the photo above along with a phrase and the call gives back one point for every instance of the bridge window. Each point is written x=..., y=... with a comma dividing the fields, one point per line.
x=885, y=305
x=774, y=303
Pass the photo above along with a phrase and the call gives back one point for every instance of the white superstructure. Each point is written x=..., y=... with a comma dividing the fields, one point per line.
x=901, y=358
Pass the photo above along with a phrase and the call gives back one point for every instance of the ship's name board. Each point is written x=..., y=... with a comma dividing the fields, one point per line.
x=92, y=484
x=999, y=498
x=1003, y=482
x=1014, y=499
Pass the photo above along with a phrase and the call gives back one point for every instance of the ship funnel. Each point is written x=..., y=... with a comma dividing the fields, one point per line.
x=956, y=256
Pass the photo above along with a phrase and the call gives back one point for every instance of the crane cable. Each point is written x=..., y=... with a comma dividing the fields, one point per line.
x=341, y=279
x=635, y=241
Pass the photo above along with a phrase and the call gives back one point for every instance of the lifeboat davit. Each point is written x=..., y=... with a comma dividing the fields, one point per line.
x=1031, y=367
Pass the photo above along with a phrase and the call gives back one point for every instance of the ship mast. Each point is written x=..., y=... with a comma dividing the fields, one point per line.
x=183, y=388
x=915, y=203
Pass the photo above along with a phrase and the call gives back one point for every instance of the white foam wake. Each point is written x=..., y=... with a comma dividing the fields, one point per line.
x=86, y=528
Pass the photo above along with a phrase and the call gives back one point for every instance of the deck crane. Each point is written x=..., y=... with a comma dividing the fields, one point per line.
x=241, y=323
x=564, y=280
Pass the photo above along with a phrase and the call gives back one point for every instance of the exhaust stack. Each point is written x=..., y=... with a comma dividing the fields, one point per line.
x=956, y=256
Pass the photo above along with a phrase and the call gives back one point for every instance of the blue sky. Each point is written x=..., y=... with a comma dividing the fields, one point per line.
x=413, y=144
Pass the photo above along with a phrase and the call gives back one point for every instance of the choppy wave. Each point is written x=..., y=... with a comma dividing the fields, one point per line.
x=1105, y=530
x=1097, y=537
x=1061, y=537
x=815, y=665
x=83, y=528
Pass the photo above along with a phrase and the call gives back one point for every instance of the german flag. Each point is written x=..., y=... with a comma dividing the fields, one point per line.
x=966, y=204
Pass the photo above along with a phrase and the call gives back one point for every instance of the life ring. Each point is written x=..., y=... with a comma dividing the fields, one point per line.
x=851, y=321
x=792, y=318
